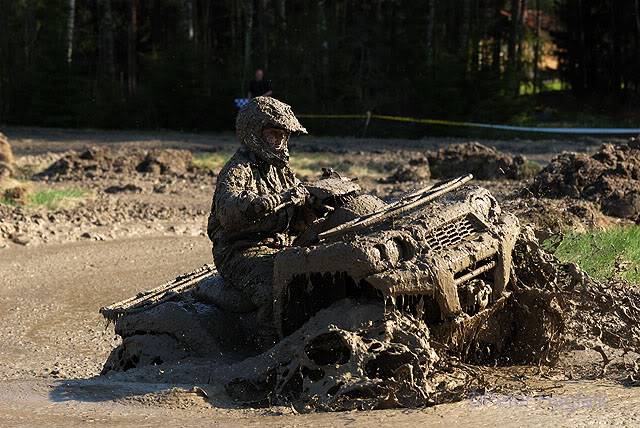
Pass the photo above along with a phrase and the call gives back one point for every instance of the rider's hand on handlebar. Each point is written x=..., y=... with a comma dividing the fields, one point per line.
x=266, y=204
x=299, y=195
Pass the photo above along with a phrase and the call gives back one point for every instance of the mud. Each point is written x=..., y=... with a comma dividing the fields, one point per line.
x=52, y=332
x=102, y=163
x=416, y=171
x=485, y=163
x=610, y=178
x=167, y=161
x=553, y=217
x=361, y=354
x=350, y=356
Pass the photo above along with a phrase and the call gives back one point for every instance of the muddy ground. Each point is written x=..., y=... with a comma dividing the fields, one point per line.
x=57, y=267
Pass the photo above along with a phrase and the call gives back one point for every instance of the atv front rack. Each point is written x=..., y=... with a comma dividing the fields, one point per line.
x=163, y=293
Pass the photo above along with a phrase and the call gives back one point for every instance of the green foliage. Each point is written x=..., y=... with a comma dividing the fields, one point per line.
x=604, y=254
x=182, y=62
x=597, y=44
x=211, y=161
x=51, y=199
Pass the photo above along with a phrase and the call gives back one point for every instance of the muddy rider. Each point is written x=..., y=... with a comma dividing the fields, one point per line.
x=254, y=204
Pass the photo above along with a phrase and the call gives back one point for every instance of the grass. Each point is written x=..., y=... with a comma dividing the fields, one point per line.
x=50, y=198
x=305, y=165
x=613, y=253
x=211, y=161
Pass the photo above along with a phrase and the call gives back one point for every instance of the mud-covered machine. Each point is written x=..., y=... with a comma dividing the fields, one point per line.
x=442, y=253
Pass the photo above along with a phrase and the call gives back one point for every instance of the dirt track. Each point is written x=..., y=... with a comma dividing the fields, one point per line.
x=52, y=339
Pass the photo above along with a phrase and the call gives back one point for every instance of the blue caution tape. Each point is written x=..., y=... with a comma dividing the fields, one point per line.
x=512, y=128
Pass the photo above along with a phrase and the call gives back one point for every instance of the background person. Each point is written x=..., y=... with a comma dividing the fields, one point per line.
x=259, y=86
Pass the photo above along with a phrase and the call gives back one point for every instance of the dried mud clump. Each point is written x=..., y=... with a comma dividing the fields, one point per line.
x=169, y=161
x=417, y=170
x=6, y=159
x=610, y=178
x=105, y=162
x=551, y=217
x=485, y=163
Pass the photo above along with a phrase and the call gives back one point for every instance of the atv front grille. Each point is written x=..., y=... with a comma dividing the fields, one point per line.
x=452, y=233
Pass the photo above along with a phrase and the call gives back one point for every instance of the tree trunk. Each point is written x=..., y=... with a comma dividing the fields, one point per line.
x=106, y=69
x=282, y=13
x=189, y=19
x=637, y=16
x=496, y=61
x=132, y=48
x=71, y=23
x=431, y=12
x=465, y=30
x=248, y=35
x=514, y=43
x=263, y=32
x=513, y=36
x=536, y=52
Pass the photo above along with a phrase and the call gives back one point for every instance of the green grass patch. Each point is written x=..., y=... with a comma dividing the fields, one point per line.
x=613, y=253
x=305, y=165
x=211, y=161
x=50, y=198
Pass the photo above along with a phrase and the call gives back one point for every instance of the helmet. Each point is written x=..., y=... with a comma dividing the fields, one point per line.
x=261, y=113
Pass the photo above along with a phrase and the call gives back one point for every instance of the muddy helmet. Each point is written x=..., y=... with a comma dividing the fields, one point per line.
x=261, y=113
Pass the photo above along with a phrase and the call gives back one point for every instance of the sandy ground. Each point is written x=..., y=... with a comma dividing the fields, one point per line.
x=53, y=341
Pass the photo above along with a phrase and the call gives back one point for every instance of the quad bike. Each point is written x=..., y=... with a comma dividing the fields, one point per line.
x=442, y=253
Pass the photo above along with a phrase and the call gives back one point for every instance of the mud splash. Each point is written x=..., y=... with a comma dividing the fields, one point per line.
x=357, y=355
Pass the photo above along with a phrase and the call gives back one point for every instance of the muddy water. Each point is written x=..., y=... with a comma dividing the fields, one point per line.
x=52, y=339
x=32, y=403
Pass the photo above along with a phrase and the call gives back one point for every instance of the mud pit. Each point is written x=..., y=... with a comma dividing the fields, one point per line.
x=132, y=394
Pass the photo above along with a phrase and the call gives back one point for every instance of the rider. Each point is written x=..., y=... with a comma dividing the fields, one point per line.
x=254, y=205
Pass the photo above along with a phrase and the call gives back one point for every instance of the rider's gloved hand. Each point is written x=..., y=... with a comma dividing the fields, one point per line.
x=299, y=195
x=266, y=204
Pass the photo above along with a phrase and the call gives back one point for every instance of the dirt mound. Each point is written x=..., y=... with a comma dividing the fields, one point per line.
x=417, y=170
x=168, y=161
x=610, y=178
x=104, y=162
x=485, y=163
x=551, y=217
x=6, y=158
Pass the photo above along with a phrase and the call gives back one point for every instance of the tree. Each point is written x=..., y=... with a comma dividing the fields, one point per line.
x=70, y=29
